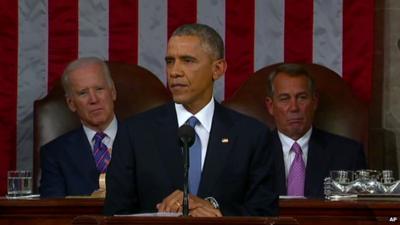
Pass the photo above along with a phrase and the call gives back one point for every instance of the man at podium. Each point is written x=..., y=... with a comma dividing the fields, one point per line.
x=231, y=171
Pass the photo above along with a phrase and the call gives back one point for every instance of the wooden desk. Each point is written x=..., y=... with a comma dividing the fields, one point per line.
x=46, y=211
x=308, y=211
x=62, y=211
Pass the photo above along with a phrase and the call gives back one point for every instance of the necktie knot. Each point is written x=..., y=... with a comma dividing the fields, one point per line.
x=296, y=148
x=192, y=121
x=99, y=136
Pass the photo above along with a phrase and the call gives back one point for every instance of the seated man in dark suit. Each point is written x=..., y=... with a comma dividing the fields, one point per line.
x=230, y=168
x=305, y=154
x=73, y=163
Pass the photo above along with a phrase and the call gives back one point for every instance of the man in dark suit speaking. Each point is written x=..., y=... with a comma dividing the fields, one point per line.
x=73, y=163
x=230, y=170
x=305, y=154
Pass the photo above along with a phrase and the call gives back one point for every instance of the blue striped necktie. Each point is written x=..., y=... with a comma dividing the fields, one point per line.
x=194, y=159
x=101, y=154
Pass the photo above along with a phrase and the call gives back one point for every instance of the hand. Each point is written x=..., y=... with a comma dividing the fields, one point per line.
x=198, y=207
x=205, y=212
x=172, y=203
x=99, y=193
x=202, y=208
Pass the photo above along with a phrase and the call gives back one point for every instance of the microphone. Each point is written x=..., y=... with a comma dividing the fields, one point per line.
x=186, y=136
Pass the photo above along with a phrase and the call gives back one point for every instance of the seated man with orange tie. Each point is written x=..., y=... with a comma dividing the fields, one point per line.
x=305, y=154
x=73, y=163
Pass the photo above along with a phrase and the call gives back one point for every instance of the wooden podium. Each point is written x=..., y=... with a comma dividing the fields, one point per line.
x=132, y=220
x=304, y=211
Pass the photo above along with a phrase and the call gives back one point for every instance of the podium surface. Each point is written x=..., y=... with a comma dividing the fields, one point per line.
x=131, y=220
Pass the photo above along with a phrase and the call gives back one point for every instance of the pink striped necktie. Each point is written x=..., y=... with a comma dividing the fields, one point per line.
x=101, y=154
x=295, y=180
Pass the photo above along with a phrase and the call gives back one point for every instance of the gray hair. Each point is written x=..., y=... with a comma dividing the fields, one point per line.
x=82, y=62
x=293, y=70
x=207, y=35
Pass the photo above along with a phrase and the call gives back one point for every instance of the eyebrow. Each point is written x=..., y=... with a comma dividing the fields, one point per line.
x=180, y=57
x=188, y=57
x=296, y=94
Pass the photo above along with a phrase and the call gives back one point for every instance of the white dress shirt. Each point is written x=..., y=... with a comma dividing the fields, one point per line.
x=203, y=128
x=287, y=143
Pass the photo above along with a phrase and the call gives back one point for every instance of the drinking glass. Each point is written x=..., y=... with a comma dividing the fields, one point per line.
x=387, y=176
x=341, y=176
x=19, y=183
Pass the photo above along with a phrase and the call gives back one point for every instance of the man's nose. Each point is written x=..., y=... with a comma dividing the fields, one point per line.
x=294, y=105
x=175, y=70
x=93, y=96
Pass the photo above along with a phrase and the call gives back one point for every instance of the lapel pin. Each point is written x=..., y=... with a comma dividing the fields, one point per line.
x=225, y=140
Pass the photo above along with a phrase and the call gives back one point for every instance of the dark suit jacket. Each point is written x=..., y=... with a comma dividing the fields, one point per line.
x=147, y=164
x=68, y=166
x=326, y=152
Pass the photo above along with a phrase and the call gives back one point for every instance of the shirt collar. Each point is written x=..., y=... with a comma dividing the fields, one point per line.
x=204, y=116
x=287, y=142
x=110, y=131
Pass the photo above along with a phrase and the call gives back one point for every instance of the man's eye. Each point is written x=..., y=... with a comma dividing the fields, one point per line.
x=82, y=93
x=303, y=97
x=283, y=98
x=169, y=61
x=188, y=60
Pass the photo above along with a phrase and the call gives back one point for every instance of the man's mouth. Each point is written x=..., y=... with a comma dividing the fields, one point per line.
x=295, y=120
x=177, y=86
x=96, y=110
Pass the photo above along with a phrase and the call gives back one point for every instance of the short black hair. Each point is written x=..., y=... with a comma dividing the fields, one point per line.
x=207, y=35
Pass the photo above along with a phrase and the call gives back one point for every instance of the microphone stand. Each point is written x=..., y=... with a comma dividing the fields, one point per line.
x=186, y=135
x=185, y=205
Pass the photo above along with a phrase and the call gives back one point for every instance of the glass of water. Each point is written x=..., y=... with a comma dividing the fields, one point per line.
x=387, y=176
x=341, y=176
x=19, y=183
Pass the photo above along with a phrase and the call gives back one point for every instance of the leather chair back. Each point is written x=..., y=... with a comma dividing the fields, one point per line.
x=137, y=90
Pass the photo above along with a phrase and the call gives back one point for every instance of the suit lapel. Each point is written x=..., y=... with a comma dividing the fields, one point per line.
x=279, y=164
x=166, y=127
x=80, y=155
x=219, y=144
x=317, y=164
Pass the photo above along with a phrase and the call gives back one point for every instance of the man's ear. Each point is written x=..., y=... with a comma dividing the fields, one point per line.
x=70, y=103
x=219, y=68
x=269, y=105
x=114, y=93
x=316, y=100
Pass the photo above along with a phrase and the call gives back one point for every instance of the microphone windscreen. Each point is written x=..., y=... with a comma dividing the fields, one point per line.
x=186, y=134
